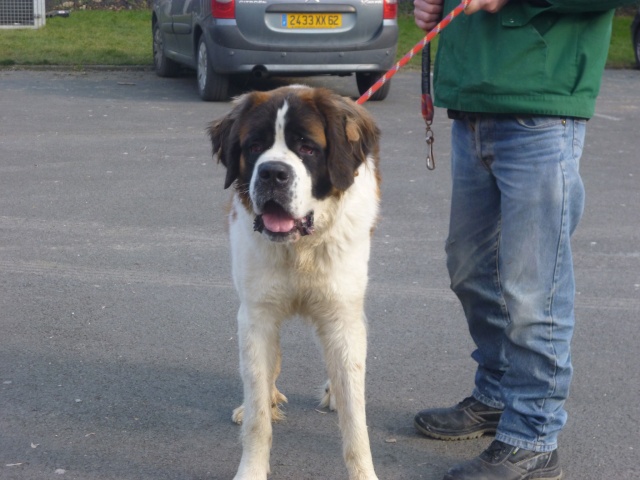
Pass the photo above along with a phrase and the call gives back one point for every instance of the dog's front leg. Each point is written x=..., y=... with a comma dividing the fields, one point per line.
x=345, y=347
x=258, y=338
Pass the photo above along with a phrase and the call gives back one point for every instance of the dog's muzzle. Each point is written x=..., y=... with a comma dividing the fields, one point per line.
x=279, y=225
x=272, y=200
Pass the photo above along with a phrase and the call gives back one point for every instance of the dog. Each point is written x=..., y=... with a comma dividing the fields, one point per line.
x=304, y=166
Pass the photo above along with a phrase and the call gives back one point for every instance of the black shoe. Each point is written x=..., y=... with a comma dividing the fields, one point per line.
x=466, y=420
x=504, y=462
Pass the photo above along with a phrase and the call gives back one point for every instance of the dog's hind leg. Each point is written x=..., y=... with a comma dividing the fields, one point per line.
x=258, y=337
x=277, y=397
x=345, y=349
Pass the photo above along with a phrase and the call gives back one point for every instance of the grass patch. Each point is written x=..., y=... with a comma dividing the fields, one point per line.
x=620, y=49
x=408, y=36
x=95, y=37
x=104, y=37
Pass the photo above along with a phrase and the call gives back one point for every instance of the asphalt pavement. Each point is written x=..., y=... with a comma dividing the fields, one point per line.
x=118, y=347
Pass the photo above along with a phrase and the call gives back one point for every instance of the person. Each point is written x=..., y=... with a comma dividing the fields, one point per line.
x=519, y=78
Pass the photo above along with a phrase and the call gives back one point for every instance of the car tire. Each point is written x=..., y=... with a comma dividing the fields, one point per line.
x=212, y=86
x=365, y=81
x=164, y=67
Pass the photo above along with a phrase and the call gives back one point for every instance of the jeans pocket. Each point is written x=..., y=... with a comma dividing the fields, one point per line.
x=579, y=130
x=539, y=122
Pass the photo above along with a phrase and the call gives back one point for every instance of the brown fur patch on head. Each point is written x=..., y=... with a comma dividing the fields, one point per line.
x=316, y=133
x=352, y=131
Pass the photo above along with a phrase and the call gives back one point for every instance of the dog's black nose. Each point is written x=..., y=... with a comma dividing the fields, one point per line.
x=278, y=174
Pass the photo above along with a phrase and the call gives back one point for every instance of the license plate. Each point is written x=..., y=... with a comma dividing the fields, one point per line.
x=312, y=20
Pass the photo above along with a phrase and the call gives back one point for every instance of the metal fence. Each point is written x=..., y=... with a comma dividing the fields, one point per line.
x=22, y=13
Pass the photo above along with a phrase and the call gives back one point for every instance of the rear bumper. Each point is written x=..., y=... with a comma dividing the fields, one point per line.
x=232, y=53
x=242, y=61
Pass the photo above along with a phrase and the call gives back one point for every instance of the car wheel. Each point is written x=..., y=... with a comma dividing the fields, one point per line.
x=366, y=80
x=164, y=67
x=212, y=86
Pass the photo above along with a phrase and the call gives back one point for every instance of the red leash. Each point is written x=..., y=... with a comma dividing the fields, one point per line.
x=427, y=103
x=418, y=46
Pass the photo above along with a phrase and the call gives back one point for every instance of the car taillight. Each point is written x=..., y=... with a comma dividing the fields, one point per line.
x=223, y=8
x=390, y=11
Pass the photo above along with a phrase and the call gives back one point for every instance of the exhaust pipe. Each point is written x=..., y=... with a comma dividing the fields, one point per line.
x=260, y=72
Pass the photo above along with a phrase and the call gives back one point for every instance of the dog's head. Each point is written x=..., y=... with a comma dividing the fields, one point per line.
x=289, y=149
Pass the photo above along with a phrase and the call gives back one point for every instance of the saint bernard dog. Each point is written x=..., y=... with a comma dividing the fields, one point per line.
x=303, y=163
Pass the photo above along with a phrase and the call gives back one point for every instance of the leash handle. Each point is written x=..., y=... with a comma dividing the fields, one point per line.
x=411, y=53
x=427, y=102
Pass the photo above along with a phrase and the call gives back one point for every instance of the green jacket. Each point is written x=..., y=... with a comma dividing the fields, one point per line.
x=542, y=58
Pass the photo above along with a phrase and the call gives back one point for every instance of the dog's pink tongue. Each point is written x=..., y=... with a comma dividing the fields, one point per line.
x=278, y=222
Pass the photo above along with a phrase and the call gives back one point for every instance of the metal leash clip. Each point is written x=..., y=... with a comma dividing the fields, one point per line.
x=431, y=161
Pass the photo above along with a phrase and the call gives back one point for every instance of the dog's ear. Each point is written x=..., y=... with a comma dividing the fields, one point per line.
x=223, y=142
x=225, y=138
x=352, y=135
x=226, y=145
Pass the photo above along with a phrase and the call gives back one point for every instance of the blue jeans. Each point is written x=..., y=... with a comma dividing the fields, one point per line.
x=517, y=198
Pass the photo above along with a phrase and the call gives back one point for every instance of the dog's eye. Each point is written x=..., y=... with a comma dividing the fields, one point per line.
x=256, y=148
x=306, y=149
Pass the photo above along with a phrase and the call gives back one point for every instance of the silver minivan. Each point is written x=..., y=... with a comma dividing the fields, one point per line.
x=224, y=38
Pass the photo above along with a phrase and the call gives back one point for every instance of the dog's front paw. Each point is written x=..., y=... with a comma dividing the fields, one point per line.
x=250, y=476
x=277, y=399
x=244, y=474
x=365, y=476
x=328, y=399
